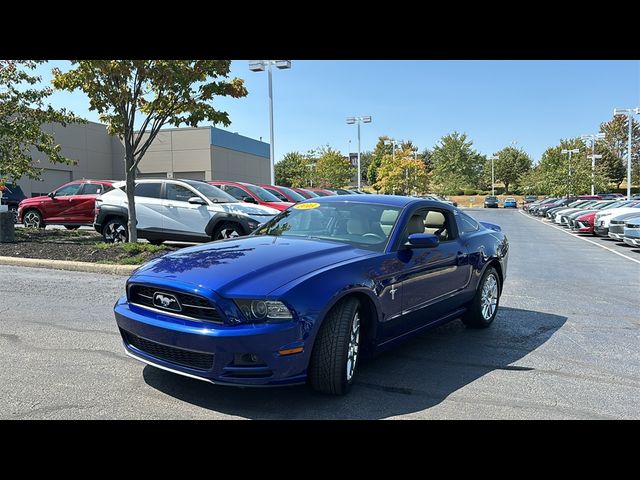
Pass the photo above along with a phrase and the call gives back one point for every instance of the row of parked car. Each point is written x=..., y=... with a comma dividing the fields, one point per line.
x=617, y=218
x=166, y=209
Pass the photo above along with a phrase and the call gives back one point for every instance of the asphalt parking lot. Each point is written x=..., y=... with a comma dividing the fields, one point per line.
x=564, y=345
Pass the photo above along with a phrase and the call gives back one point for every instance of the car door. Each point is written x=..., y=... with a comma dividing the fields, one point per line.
x=150, y=210
x=56, y=209
x=182, y=218
x=431, y=278
x=82, y=205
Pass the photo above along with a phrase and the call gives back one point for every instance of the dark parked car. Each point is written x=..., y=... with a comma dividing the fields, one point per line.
x=71, y=205
x=305, y=296
x=491, y=202
x=12, y=195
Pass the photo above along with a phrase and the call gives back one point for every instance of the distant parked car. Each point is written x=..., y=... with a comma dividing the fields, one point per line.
x=342, y=191
x=616, y=224
x=510, y=203
x=182, y=210
x=12, y=195
x=491, y=202
x=285, y=194
x=247, y=192
x=321, y=192
x=71, y=205
x=632, y=232
x=530, y=198
x=602, y=218
x=584, y=223
x=305, y=192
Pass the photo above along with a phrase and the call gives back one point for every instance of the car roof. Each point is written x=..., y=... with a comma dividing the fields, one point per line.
x=389, y=200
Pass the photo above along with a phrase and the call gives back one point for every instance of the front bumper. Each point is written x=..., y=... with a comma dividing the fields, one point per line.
x=632, y=241
x=209, y=352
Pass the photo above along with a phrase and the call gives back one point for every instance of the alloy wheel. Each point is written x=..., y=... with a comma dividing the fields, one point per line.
x=32, y=219
x=229, y=233
x=115, y=233
x=489, y=300
x=354, y=346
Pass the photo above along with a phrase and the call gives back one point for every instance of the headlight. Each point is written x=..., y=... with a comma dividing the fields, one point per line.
x=263, y=310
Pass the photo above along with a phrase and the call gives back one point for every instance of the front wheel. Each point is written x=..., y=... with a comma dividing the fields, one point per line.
x=228, y=230
x=484, y=306
x=115, y=231
x=32, y=219
x=14, y=212
x=337, y=348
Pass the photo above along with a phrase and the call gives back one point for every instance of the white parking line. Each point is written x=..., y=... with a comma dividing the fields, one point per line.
x=581, y=238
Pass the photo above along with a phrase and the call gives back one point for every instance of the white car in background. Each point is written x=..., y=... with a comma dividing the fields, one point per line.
x=602, y=219
x=632, y=232
x=179, y=210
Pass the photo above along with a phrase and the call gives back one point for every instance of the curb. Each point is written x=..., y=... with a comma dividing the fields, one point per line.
x=68, y=265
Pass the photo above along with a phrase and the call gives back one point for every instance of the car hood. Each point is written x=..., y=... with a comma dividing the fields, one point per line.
x=32, y=200
x=247, y=266
x=251, y=210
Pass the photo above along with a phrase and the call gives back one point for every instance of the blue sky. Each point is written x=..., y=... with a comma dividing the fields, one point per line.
x=535, y=103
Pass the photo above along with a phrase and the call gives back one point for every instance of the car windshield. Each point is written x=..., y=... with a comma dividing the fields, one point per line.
x=361, y=225
x=614, y=205
x=492, y=199
x=213, y=193
x=292, y=194
x=510, y=199
x=261, y=193
x=312, y=194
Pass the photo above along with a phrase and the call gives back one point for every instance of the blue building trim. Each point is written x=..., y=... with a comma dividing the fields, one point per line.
x=240, y=143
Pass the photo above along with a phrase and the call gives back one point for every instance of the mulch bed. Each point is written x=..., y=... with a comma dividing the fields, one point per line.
x=75, y=245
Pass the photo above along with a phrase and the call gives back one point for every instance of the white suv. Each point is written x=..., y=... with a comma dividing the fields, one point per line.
x=182, y=210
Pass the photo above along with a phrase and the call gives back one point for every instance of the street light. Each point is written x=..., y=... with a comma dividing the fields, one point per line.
x=311, y=166
x=261, y=66
x=358, y=120
x=492, y=158
x=573, y=150
x=629, y=113
x=394, y=143
x=593, y=138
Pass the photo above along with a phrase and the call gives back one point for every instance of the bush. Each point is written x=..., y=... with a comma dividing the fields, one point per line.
x=459, y=192
x=470, y=191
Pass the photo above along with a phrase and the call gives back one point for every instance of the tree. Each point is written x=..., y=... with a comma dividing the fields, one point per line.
x=332, y=169
x=379, y=151
x=292, y=170
x=510, y=164
x=616, y=139
x=455, y=164
x=23, y=113
x=152, y=93
x=365, y=160
x=403, y=176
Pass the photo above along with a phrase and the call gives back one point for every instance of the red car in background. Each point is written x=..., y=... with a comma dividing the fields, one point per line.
x=584, y=223
x=306, y=193
x=71, y=205
x=248, y=192
x=285, y=194
x=321, y=192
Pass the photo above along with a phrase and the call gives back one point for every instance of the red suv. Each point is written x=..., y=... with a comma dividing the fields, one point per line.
x=285, y=194
x=248, y=192
x=71, y=205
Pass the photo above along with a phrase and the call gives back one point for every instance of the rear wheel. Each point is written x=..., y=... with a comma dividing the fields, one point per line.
x=115, y=231
x=337, y=349
x=32, y=219
x=14, y=212
x=484, y=306
x=228, y=230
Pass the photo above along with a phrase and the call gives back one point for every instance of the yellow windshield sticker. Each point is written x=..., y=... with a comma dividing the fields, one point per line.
x=306, y=206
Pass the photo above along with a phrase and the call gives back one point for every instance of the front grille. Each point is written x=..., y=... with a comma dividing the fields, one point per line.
x=192, y=305
x=633, y=225
x=179, y=356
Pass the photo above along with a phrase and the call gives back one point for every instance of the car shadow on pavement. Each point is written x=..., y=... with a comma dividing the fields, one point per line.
x=411, y=377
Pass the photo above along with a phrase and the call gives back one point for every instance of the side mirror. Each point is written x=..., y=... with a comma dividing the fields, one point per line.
x=51, y=194
x=249, y=199
x=197, y=201
x=422, y=240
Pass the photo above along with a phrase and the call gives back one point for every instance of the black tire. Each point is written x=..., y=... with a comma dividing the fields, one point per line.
x=329, y=366
x=14, y=212
x=72, y=227
x=228, y=230
x=32, y=219
x=474, y=317
x=115, y=231
x=155, y=242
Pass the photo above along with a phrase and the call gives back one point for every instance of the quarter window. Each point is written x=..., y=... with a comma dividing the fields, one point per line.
x=467, y=224
x=92, y=189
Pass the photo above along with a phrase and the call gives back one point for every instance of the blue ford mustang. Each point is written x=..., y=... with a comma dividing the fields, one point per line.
x=310, y=292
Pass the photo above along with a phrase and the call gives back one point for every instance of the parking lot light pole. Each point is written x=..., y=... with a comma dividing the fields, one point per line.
x=358, y=120
x=593, y=138
x=629, y=113
x=573, y=150
x=492, y=158
x=393, y=143
x=261, y=66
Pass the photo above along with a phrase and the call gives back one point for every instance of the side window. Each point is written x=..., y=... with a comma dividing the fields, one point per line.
x=426, y=220
x=466, y=224
x=92, y=189
x=149, y=190
x=68, y=190
x=276, y=193
x=178, y=193
x=236, y=192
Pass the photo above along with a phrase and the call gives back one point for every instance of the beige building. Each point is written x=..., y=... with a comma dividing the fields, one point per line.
x=204, y=153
